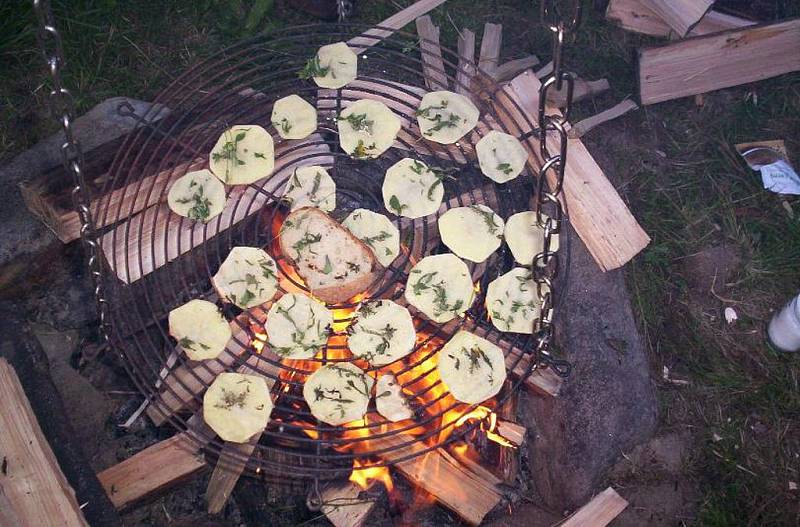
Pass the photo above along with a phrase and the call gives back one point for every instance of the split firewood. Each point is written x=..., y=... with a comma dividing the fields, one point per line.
x=515, y=433
x=580, y=128
x=490, y=48
x=544, y=71
x=599, y=512
x=466, y=61
x=582, y=90
x=394, y=23
x=431, y=51
x=33, y=489
x=633, y=15
x=680, y=15
x=344, y=506
x=720, y=60
x=512, y=68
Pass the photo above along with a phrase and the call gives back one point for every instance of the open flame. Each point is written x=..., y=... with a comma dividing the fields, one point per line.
x=365, y=476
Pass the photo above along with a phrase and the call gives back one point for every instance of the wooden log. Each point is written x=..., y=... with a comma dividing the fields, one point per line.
x=33, y=490
x=466, y=61
x=515, y=433
x=680, y=15
x=156, y=236
x=545, y=70
x=598, y=214
x=489, y=57
x=581, y=90
x=633, y=15
x=512, y=68
x=721, y=60
x=431, y=51
x=395, y=22
x=580, y=128
x=509, y=459
x=599, y=512
x=344, y=506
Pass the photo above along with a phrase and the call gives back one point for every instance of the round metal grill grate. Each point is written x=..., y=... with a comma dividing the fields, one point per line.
x=160, y=261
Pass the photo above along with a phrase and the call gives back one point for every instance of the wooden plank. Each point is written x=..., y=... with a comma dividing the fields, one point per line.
x=633, y=15
x=580, y=128
x=598, y=214
x=156, y=236
x=512, y=68
x=489, y=57
x=343, y=506
x=431, y=51
x=581, y=90
x=466, y=61
x=599, y=512
x=680, y=15
x=395, y=22
x=721, y=60
x=514, y=432
x=33, y=490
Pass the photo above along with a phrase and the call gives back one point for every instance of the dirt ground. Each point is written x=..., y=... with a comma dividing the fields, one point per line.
x=727, y=451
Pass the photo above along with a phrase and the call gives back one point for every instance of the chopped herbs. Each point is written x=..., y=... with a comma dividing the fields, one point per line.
x=441, y=303
x=359, y=122
x=475, y=355
x=231, y=399
x=187, y=343
x=385, y=335
x=417, y=167
x=284, y=125
x=259, y=155
x=201, y=209
x=247, y=297
x=313, y=69
x=505, y=168
x=396, y=206
x=360, y=151
x=266, y=269
x=380, y=237
x=488, y=218
x=368, y=309
x=306, y=241
x=301, y=335
x=450, y=122
x=426, y=112
x=230, y=151
x=328, y=266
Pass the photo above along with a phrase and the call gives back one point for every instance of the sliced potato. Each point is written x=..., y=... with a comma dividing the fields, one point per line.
x=445, y=117
x=297, y=326
x=377, y=231
x=411, y=189
x=333, y=67
x=472, y=232
x=367, y=129
x=472, y=368
x=501, y=156
x=338, y=393
x=197, y=195
x=293, y=117
x=237, y=406
x=389, y=399
x=247, y=277
x=525, y=238
x=243, y=154
x=512, y=302
x=440, y=286
x=200, y=329
x=381, y=332
x=311, y=186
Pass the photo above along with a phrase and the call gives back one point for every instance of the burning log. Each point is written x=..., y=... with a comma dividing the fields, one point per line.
x=33, y=489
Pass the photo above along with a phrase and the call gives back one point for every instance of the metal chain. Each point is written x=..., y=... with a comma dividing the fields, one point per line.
x=549, y=210
x=62, y=105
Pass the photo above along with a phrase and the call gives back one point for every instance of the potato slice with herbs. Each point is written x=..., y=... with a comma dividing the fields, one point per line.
x=440, y=286
x=525, y=238
x=338, y=393
x=512, y=302
x=197, y=195
x=247, y=277
x=237, y=406
x=377, y=231
x=200, y=329
x=381, y=332
x=311, y=186
x=293, y=117
x=501, y=156
x=333, y=66
x=411, y=189
x=445, y=117
x=471, y=367
x=367, y=129
x=472, y=232
x=243, y=154
x=297, y=326
x=389, y=399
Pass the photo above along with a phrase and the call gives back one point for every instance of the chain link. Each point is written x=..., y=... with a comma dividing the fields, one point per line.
x=549, y=210
x=62, y=105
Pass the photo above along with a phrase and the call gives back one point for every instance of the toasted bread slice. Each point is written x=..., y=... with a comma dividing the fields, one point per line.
x=333, y=262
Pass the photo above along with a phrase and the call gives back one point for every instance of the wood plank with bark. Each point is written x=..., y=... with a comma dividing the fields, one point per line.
x=721, y=60
x=431, y=52
x=33, y=489
x=633, y=15
x=680, y=15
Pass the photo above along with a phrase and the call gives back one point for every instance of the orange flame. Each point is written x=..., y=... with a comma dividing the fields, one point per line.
x=365, y=476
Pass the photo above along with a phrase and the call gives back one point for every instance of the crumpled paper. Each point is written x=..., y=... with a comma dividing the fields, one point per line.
x=771, y=159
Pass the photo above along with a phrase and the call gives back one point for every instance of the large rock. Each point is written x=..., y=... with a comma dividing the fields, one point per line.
x=608, y=404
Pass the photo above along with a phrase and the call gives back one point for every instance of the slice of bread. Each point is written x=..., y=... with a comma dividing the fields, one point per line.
x=334, y=264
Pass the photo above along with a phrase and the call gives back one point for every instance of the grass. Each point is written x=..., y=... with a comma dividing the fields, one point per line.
x=673, y=161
